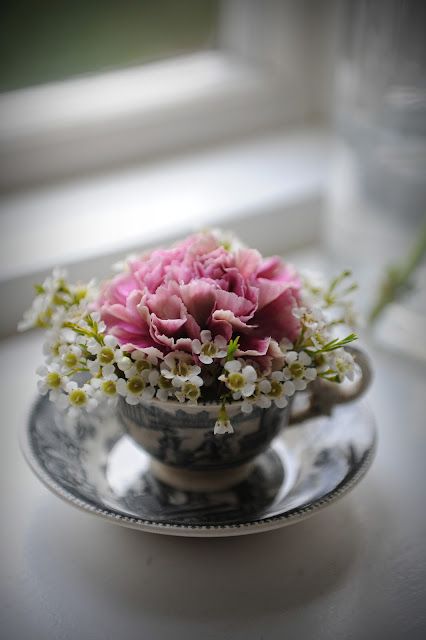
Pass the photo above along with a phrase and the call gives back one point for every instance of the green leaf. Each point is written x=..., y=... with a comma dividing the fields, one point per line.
x=232, y=348
x=337, y=344
x=39, y=289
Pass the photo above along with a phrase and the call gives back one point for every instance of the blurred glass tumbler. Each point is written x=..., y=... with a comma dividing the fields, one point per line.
x=377, y=198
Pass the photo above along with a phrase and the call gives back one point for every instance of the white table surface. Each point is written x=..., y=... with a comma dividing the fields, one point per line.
x=355, y=570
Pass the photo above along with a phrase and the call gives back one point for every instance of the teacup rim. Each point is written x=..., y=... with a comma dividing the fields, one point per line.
x=182, y=405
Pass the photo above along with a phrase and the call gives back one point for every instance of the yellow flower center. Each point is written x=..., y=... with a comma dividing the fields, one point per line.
x=58, y=300
x=320, y=359
x=142, y=365
x=109, y=387
x=53, y=380
x=191, y=391
x=236, y=381
x=78, y=397
x=182, y=369
x=135, y=385
x=80, y=293
x=106, y=355
x=43, y=319
x=164, y=383
x=276, y=389
x=208, y=349
x=70, y=359
x=297, y=370
x=55, y=348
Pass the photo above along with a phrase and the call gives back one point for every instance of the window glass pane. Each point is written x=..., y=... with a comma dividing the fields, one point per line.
x=47, y=40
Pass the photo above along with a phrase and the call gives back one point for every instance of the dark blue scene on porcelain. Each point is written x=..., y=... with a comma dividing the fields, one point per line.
x=96, y=466
x=183, y=436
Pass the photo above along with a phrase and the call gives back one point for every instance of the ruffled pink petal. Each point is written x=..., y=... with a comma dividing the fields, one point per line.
x=199, y=299
x=167, y=327
x=276, y=319
x=220, y=327
x=248, y=261
x=253, y=346
x=240, y=307
x=166, y=305
x=192, y=328
x=269, y=290
x=237, y=324
x=170, y=295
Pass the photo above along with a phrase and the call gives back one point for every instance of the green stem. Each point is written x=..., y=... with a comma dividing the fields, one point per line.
x=398, y=277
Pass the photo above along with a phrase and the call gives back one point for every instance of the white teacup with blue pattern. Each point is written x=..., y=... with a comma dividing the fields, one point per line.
x=186, y=453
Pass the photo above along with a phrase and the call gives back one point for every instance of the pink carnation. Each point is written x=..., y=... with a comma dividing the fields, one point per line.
x=170, y=295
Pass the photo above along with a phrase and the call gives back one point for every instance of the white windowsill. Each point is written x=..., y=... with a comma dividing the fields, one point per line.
x=268, y=189
x=67, y=128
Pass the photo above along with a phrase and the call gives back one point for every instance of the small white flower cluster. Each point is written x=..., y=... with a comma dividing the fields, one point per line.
x=86, y=368
x=55, y=298
x=255, y=389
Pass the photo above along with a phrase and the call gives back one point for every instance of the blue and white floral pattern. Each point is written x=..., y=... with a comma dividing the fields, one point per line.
x=97, y=467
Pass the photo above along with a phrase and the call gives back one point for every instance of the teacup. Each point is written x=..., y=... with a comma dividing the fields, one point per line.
x=186, y=454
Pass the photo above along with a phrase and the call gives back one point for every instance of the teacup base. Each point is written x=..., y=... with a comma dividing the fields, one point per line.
x=201, y=481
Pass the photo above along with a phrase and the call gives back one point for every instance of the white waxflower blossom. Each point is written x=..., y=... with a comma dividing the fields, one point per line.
x=69, y=336
x=298, y=370
x=80, y=398
x=96, y=317
x=189, y=391
x=70, y=355
x=57, y=301
x=311, y=318
x=52, y=381
x=178, y=367
x=106, y=387
x=107, y=354
x=276, y=390
x=52, y=345
x=344, y=364
x=84, y=293
x=228, y=240
x=314, y=284
x=239, y=379
x=317, y=340
x=143, y=361
x=165, y=388
x=109, y=342
x=125, y=364
x=151, y=354
x=247, y=405
x=38, y=315
x=55, y=280
x=134, y=389
x=223, y=424
x=208, y=349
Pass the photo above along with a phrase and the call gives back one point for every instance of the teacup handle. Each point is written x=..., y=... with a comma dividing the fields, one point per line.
x=325, y=395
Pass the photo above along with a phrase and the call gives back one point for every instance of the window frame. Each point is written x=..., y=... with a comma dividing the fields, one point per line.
x=248, y=85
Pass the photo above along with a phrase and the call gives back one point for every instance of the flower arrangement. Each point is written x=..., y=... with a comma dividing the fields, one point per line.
x=207, y=320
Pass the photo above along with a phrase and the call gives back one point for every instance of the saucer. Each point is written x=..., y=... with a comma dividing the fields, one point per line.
x=95, y=466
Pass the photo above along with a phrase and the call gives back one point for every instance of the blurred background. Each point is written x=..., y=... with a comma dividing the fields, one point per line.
x=301, y=126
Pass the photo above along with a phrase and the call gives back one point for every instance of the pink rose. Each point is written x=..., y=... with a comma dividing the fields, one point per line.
x=170, y=295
